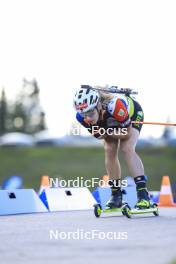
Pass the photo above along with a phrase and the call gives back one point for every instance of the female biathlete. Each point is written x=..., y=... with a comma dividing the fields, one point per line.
x=98, y=111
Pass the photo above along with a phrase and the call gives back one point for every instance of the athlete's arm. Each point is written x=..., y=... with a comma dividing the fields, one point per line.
x=94, y=131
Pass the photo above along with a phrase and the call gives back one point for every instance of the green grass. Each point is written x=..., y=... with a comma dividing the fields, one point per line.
x=173, y=262
x=72, y=162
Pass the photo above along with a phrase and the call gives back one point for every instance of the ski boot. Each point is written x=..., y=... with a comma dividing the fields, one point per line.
x=143, y=199
x=144, y=204
x=115, y=200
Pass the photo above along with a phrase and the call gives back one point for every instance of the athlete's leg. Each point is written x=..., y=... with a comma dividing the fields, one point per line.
x=112, y=163
x=136, y=167
x=114, y=171
x=127, y=147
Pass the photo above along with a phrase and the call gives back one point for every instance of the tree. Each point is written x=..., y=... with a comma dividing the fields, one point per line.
x=168, y=131
x=25, y=113
x=3, y=112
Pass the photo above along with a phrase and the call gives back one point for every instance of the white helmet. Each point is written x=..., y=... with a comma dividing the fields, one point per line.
x=85, y=100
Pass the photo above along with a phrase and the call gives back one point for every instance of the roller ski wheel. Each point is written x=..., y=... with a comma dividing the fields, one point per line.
x=126, y=210
x=155, y=206
x=97, y=210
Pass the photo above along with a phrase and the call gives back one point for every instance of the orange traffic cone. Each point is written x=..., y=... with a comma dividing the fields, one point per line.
x=45, y=183
x=104, y=181
x=166, y=197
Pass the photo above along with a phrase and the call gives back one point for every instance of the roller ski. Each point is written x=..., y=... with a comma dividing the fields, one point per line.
x=98, y=210
x=143, y=205
x=114, y=205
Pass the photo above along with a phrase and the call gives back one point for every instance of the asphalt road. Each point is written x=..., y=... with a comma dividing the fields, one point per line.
x=79, y=237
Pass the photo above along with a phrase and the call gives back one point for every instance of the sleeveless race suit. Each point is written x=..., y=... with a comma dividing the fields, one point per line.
x=120, y=111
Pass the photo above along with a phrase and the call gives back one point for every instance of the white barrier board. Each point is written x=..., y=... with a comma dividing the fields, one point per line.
x=63, y=199
x=20, y=201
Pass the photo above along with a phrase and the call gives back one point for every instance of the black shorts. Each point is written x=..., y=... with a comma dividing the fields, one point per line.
x=137, y=116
